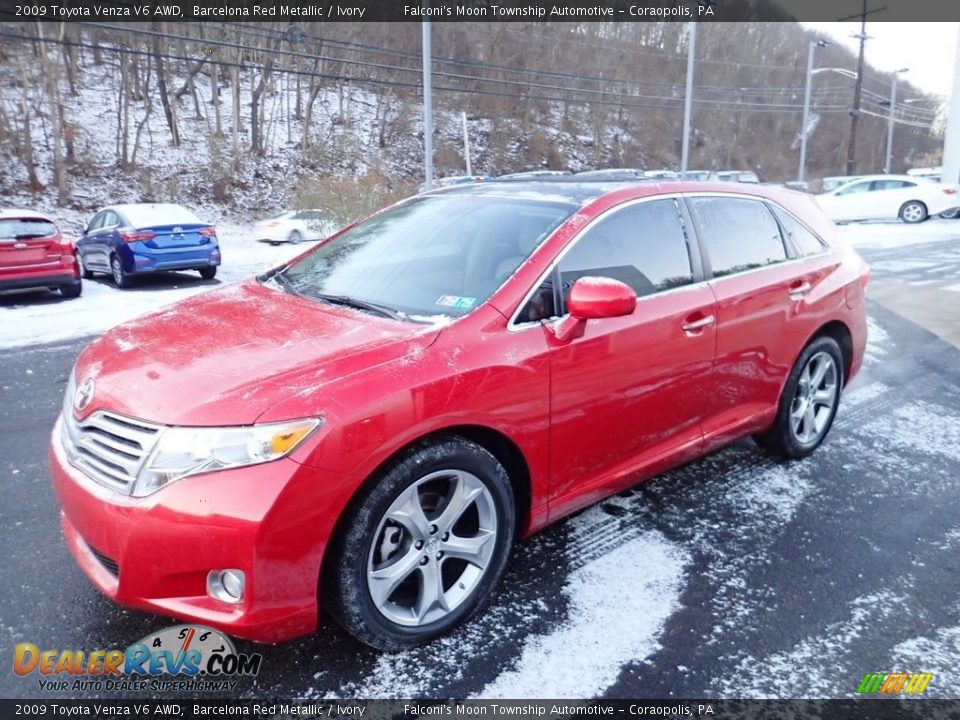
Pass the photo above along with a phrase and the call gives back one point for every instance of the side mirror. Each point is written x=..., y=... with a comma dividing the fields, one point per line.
x=593, y=298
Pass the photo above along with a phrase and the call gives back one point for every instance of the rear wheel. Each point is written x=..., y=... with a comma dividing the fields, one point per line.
x=120, y=277
x=71, y=291
x=295, y=237
x=808, y=403
x=208, y=273
x=913, y=211
x=424, y=547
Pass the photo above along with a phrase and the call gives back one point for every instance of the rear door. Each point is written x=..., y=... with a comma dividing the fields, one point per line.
x=28, y=243
x=759, y=283
x=627, y=396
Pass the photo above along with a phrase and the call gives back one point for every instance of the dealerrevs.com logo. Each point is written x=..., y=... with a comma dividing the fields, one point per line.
x=186, y=658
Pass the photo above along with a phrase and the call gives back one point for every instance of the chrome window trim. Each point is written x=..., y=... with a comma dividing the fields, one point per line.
x=514, y=326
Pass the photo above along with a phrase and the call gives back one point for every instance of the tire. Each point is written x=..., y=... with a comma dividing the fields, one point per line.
x=71, y=291
x=120, y=277
x=913, y=211
x=369, y=545
x=208, y=273
x=295, y=237
x=795, y=437
x=84, y=273
x=951, y=214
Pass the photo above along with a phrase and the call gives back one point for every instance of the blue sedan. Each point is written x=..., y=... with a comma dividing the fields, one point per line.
x=129, y=240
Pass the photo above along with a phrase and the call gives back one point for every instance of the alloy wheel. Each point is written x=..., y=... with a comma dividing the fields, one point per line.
x=912, y=212
x=815, y=397
x=432, y=548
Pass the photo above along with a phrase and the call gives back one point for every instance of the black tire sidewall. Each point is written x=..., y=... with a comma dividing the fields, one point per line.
x=347, y=596
x=789, y=444
x=124, y=279
x=295, y=237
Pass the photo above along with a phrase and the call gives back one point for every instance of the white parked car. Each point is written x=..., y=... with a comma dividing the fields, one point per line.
x=293, y=227
x=888, y=197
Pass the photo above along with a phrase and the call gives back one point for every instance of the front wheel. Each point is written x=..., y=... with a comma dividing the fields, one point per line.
x=84, y=273
x=951, y=214
x=423, y=548
x=913, y=212
x=808, y=403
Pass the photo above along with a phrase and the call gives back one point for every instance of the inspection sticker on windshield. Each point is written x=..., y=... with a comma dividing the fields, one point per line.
x=456, y=301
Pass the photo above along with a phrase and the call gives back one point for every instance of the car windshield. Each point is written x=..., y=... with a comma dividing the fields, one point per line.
x=427, y=257
x=23, y=228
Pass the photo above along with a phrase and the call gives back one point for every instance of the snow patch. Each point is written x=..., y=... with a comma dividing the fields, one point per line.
x=619, y=604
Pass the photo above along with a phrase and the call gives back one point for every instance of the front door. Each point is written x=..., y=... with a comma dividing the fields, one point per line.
x=627, y=397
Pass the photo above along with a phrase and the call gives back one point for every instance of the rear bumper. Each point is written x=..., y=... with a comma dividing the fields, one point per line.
x=143, y=259
x=31, y=282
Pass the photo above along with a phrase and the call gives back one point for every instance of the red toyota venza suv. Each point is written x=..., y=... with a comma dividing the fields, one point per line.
x=369, y=428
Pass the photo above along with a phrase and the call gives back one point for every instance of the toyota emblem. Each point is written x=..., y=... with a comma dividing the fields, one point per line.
x=81, y=401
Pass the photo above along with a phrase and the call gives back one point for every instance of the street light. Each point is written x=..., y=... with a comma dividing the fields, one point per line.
x=893, y=103
x=814, y=44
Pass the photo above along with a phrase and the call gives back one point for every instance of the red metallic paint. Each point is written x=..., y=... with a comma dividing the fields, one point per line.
x=44, y=261
x=631, y=397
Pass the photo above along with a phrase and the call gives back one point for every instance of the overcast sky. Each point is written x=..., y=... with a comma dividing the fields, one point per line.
x=927, y=48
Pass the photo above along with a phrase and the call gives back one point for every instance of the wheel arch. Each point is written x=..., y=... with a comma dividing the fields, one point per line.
x=505, y=450
x=839, y=331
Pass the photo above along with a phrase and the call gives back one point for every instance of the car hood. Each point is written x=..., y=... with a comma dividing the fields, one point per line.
x=226, y=356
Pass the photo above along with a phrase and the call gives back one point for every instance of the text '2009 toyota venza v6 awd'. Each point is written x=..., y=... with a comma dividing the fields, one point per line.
x=367, y=430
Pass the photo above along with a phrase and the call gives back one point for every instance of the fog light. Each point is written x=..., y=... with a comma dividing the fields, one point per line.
x=226, y=585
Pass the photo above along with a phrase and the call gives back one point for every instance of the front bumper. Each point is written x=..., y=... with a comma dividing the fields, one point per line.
x=154, y=553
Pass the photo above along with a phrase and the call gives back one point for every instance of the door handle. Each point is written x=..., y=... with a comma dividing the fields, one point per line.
x=696, y=326
x=798, y=291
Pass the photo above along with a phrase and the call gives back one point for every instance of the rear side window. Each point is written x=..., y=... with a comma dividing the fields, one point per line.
x=738, y=234
x=25, y=228
x=643, y=245
x=891, y=185
x=803, y=239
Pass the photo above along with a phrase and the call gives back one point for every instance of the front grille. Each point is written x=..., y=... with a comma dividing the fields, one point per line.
x=110, y=448
x=109, y=563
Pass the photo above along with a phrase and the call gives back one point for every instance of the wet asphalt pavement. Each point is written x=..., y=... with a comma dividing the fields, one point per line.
x=734, y=576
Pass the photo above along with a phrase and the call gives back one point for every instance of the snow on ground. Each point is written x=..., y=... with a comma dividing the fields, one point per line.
x=618, y=608
x=820, y=656
x=882, y=235
x=32, y=318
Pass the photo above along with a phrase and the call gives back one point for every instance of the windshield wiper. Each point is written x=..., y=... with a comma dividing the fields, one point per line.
x=283, y=281
x=358, y=304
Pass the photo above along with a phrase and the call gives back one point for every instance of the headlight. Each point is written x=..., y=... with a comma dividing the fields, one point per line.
x=184, y=451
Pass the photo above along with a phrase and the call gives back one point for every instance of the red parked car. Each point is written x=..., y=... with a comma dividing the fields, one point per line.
x=34, y=255
x=369, y=428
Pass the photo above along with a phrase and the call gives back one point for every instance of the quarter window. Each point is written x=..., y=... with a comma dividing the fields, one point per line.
x=803, y=240
x=738, y=234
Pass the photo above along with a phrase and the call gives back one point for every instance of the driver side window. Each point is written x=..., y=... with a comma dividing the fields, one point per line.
x=643, y=246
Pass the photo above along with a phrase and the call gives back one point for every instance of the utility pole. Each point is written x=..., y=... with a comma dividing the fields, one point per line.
x=804, y=129
x=466, y=142
x=427, y=107
x=688, y=98
x=858, y=87
x=888, y=162
x=951, y=136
